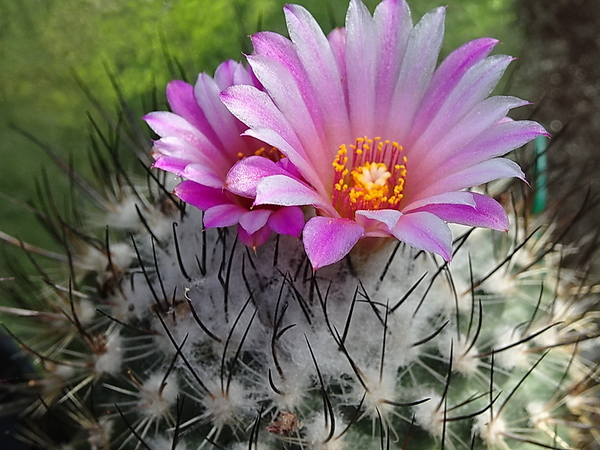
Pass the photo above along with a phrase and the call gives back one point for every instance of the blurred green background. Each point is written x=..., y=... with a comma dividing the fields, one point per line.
x=43, y=43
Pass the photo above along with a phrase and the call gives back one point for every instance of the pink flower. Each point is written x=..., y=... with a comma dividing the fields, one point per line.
x=201, y=140
x=385, y=142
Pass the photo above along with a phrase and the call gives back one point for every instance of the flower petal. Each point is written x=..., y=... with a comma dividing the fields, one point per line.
x=497, y=141
x=257, y=110
x=220, y=119
x=386, y=217
x=393, y=25
x=471, y=128
x=182, y=139
x=255, y=239
x=170, y=164
x=425, y=231
x=361, y=45
x=255, y=219
x=475, y=85
x=285, y=92
x=285, y=191
x=487, y=213
x=447, y=76
x=328, y=240
x=183, y=103
x=481, y=173
x=202, y=174
x=223, y=215
x=417, y=67
x=287, y=220
x=243, y=177
x=451, y=198
x=319, y=63
x=202, y=197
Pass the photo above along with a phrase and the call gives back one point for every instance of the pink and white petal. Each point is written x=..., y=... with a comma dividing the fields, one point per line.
x=450, y=198
x=282, y=51
x=288, y=220
x=202, y=174
x=321, y=69
x=481, y=173
x=183, y=103
x=181, y=139
x=361, y=45
x=496, y=141
x=393, y=25
x=256, y=109
x=224, y=215
x=255, y=239
x=304, y=168
x=337, y=41
x=227, y=126
x=487, y=213
x=244, y=175
x=327, y=240
x=169, y=164
x=487, y=113
x=283, y=190
x=476, y=84
x=202, y=197
x=285, y=92
x=174, y=146
x=447, y=76
x=386, y=217
x=224, y=73
x=417, y=67
x=166, y=123
x=255, y=219
x=425, y=231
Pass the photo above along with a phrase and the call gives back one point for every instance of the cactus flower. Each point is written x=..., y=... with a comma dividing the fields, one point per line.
x=385, y=142
x=200, y=141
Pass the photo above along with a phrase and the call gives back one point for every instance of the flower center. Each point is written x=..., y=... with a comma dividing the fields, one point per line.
x=369, y=175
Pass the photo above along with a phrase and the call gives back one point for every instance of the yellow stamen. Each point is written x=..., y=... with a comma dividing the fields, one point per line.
x=271, y=153
x=374, y=179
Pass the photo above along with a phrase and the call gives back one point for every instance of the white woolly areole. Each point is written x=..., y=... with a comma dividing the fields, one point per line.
x=491, y=430
x=59, y=376
x=110, y=361
x=86, y=311
x=163, y=443
x=380, y=391
x=318, y=429
x=157, y=395
x=539, y=414
x=516, y=356
x=430, y=414
x=226, y=408
x=100, y=434
x=121, y=255
x=292, y=389
x=124, y=215
x=464, y=359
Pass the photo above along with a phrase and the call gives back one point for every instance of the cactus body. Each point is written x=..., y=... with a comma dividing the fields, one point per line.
x=168, y=336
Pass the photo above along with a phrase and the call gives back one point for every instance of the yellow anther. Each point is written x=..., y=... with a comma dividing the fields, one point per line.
x=374, y=179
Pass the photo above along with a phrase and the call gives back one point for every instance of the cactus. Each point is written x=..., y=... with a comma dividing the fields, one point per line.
x=158, y=334
x=162, y=335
